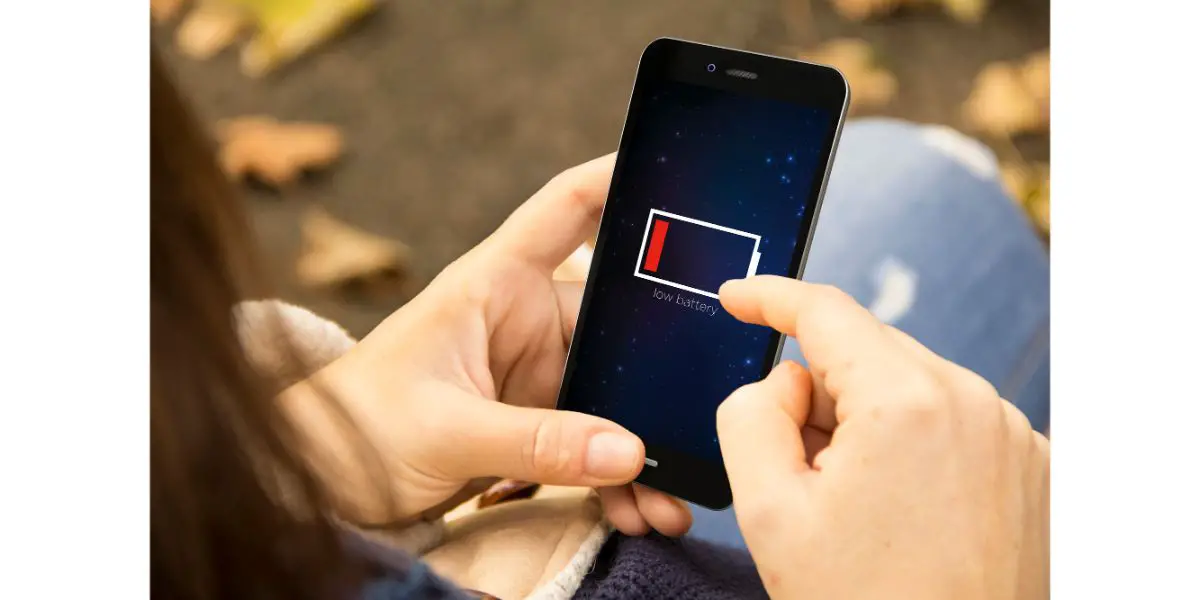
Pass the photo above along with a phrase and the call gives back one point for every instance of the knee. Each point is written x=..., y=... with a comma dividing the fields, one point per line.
x=912, y=193
x=892, y=143
x=887, y=168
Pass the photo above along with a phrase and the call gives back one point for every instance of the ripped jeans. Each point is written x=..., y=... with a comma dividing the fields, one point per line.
x=916, y=226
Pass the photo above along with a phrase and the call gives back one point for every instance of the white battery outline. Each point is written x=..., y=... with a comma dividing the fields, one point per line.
x=754, y=257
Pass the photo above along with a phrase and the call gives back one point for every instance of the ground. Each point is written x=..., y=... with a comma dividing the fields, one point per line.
x=456, y=111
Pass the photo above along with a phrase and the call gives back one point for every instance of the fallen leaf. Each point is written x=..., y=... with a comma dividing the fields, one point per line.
x=1038, y=204
x=1000, y=103
x=341, y=257
x=966, y=11
x=1029, y=186
x=1036, y=73
x=861, y=10
x=1039, y=210
x=1015, y=179
x=871, y=86
x=963, y=11
x=275, y=153
x=164, y=10
x=209, y=28
x=286, y=30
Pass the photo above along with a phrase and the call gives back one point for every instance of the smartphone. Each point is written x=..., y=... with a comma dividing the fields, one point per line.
x=720, y=173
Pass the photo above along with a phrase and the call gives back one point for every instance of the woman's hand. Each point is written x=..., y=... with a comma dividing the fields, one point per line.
x=460, y=384
x=882, y=470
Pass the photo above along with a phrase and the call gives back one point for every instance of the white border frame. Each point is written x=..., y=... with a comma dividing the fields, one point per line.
x=755, y=255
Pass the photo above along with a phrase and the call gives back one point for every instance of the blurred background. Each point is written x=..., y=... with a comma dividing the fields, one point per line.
x=380, y=139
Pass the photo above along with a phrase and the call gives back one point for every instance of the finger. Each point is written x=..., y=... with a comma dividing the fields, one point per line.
x=548, y=227
x=822, y=410
x=621, y=509
x=576, y=266
x=546, y=446
x=668, y=516
x=570, y=296
x=815, y=440
x=758, y=427
x=844, y=345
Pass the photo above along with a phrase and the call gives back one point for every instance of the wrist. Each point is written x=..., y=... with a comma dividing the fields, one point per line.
x=326, y=402
x=339, y=448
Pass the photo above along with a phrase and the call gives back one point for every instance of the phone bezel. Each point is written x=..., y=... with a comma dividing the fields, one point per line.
x=693, y=479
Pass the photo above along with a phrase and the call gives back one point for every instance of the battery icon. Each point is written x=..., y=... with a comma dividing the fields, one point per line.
x=694, y=255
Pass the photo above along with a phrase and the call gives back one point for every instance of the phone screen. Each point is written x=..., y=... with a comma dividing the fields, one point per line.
x=711, y=184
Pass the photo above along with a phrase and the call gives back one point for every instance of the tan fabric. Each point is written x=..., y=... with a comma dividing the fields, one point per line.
x=511, y=549
x=540, y=548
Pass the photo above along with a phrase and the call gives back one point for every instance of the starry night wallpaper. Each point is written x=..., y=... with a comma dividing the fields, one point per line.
x=658, y=359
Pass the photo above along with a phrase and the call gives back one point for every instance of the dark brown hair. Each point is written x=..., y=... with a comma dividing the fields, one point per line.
x=223, y=456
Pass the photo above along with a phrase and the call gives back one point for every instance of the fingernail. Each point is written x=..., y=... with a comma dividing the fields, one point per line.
x=611, y=455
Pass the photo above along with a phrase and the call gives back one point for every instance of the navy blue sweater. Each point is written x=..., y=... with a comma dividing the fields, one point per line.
x=650, y=567
x=664, y=568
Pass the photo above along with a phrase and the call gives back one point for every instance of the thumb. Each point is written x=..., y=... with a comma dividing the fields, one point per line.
x=759, y=430
x=547, y=446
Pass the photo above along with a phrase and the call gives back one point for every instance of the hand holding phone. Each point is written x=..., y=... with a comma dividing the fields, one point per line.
x=933, y=486
x=498, y=318
x=720, y=173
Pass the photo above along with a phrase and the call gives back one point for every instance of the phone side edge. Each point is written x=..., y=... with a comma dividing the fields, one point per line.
x=812, y=229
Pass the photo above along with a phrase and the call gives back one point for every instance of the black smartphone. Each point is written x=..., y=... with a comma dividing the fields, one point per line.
x=720, y=174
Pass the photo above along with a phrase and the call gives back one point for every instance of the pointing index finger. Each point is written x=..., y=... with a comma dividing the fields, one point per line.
x=842, y=342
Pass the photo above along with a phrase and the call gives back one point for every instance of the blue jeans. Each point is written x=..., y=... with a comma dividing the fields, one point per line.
x=916, y=226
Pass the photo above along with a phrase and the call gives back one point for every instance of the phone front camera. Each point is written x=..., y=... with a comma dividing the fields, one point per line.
x=712, y=68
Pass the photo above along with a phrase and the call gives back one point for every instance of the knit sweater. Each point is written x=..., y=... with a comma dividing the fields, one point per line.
x=663, y=568
x=652, y=567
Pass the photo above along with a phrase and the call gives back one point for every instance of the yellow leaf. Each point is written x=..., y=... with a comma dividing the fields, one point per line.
x=1038, y=204
x=287, y=30
x=1016, y=179
x=966, y=11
